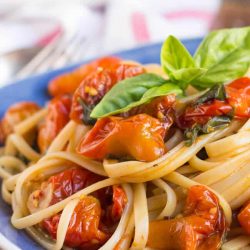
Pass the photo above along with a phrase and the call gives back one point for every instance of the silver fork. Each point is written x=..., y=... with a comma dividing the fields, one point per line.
x=63, y=49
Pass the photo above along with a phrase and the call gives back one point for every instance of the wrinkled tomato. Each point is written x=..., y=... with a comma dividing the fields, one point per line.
x=162, y=108
x=84, y=227
x=67, y=83
x=201, y=113
x=92, y=217
x=238, y=96
x=96, y=85
x=60, y=186
x=89, y=93
x=119, y=203
x=237, y=103
x=14, y=115
x=244, y=218
x=202, y=227
x=124, y=71
x=140, y=137
x=56, y=118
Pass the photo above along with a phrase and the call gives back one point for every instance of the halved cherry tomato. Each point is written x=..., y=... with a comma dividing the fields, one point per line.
x=14, y=115
x=140, y=137
x=238, y=93
x=201, y=113
x=84, y=227
x=55, y=120
x=96, y=85
x=202, y=227
x=244, y=218
x=67, y=83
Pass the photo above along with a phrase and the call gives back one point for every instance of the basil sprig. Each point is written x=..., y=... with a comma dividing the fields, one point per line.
x=133, y=92
x=222, y=56
x=177, y=62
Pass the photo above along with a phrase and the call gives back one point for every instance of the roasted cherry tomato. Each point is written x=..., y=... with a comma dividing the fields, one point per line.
x=61, y=186
x=244, y=218
x=84, y=227
x=95, y=86
x=89, y=93
x=124, y=71
x=201, y=113
x=90, y=215
x=140, y=137
x=238, y=93
x=119, y=203
x=162, y=108
x=202, y=227
x=67, y=83
x=56, y=118
x=14, y=115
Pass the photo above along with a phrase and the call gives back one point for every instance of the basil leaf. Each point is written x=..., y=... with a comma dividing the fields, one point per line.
x=175, y=56
x=233, y=66
x=219, y=44
x=165, y=89
x=226, y=55
x=217, y=122
x=132, y=92
x=216, y=92
x=186, y=75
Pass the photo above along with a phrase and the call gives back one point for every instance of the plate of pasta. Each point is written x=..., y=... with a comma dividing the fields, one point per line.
x=146, y=149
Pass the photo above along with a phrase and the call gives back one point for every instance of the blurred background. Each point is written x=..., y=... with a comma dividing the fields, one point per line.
x=41, y=35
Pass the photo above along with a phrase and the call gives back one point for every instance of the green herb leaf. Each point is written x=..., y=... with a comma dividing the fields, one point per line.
x=216, y=92
x=219, y=44
x=132, y=92
x=165, y=89
x=215, y=123
x=175, y=56
x=186, y=75
x=226, y=55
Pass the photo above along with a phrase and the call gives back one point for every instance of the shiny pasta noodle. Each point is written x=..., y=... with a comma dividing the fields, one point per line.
x=225, y=172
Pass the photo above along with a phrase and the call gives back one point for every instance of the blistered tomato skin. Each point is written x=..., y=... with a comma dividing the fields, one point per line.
x=238, y=96
x=201, y=113
x=140, y=137
x=67, y=83
x=124, y=71
x=60, y=186
x=119, y=203
x=94, y=215
x=56, y=118
x=244, y=218
x=162, y=108
x=70, y=181
x=90, y=92
x=83, y=230
x=14, y=115
x=202, y=226
x=96, y=85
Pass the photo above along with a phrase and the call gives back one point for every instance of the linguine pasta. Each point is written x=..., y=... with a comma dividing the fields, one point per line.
x=155, y=191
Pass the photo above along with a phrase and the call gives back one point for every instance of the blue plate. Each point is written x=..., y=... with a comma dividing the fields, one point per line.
x=34, y=89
